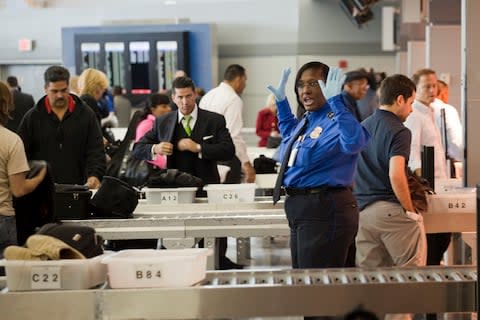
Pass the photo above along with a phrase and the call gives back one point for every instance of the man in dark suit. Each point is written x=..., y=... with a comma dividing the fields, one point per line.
x=22, y=102
x=193, y=141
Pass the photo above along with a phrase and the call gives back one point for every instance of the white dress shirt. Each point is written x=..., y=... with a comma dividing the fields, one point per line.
x=454, y=131
x=224, y=100
x=425, y=132
x=194, y=117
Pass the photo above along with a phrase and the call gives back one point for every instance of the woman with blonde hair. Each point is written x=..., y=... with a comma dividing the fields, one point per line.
x=92, y=84
x=74, y=85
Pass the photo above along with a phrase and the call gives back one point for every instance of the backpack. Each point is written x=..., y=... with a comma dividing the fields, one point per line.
x=263, y=164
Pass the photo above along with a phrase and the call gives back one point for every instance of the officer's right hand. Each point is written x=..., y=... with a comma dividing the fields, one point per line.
x=163, y=148
x=279, y=92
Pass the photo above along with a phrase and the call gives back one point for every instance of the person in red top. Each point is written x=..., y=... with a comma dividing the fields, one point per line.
x=267, y=122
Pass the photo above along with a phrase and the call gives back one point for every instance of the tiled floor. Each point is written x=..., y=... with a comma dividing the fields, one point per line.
x=265, y=252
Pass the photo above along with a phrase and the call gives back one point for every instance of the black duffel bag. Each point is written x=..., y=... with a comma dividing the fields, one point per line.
x=263, y=164
x=114, y=199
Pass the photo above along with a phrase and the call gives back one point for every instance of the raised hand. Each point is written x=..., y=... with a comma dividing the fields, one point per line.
x=279, y=92
x=334, y=84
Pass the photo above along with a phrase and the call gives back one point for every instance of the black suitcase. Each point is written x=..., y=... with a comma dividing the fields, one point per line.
x=72, y=202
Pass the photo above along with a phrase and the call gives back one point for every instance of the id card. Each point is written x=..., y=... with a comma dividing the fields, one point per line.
x=293, y=156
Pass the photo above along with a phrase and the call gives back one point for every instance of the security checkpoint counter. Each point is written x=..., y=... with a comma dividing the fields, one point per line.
x=180, y=224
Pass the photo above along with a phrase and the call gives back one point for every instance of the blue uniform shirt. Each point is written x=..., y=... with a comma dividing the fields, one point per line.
x=327, y=152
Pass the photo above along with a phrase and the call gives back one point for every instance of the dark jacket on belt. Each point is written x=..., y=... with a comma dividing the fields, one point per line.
x=73, y=146
x=35, y=209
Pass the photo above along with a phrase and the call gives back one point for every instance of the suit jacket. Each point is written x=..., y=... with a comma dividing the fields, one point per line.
x=210, y=132
x=22, y=102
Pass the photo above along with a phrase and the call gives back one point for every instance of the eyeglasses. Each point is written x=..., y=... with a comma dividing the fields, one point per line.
x=311, y=84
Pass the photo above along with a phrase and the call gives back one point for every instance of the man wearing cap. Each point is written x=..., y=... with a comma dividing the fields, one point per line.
x=354, y=88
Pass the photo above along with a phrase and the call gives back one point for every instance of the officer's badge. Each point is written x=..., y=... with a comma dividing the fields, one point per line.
x=316, y=132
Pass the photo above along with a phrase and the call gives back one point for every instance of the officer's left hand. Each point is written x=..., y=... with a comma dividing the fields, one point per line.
x=334, y=84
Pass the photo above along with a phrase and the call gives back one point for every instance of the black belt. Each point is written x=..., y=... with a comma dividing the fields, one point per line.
x=305, y=191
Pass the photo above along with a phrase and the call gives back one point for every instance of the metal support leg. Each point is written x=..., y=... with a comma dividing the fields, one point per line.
x=243, y=250
x=267, y=242
x=212, y=261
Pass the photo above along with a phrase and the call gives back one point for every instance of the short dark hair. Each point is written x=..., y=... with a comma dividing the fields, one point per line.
x=158, y=98
x=12, y=81
x=316, y=65
x=55, y=74
x=181, y=83
x=394, y=86
x=355, y=75
x=117, y=90
x=233, y=71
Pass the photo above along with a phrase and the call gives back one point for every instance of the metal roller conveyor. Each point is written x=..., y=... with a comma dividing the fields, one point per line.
x=263, y=293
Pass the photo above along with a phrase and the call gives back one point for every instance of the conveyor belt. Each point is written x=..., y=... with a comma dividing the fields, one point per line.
x=159, y=225
x=262, y=293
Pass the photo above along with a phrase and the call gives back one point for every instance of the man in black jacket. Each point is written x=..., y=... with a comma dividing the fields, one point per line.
x=22, y=102
x=196, y=151
x=193, y=140
x=62, y=130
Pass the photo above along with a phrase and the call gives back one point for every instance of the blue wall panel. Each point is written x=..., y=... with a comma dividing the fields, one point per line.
x=200, y=46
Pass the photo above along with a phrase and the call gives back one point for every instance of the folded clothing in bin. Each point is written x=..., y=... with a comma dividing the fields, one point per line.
x=40, y=247
x=57, y=241
x=82, y=238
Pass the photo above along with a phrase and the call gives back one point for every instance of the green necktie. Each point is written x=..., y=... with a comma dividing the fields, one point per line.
x=186, y=124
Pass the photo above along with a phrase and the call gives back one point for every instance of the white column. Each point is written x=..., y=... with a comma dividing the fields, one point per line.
x=443, y=54
x=470, y=94
x=415, y=56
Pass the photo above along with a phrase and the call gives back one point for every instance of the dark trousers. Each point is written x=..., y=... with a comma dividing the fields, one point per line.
x=437, y=244
x=323, y=227
x=221, y=244
x=233, y=176
x=235, y=173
